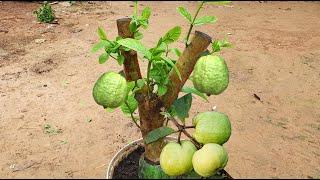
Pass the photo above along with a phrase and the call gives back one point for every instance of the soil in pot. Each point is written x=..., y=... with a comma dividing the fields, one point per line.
x=128, y=168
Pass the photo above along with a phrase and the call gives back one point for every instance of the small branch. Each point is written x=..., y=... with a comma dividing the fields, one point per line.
x=135, y=122
x=167, y=51
x=112, y=57
x=195, y=142
x=179, y=137
x=185, y=65
x=191, y=25
x=182, y=129
x=189, y=127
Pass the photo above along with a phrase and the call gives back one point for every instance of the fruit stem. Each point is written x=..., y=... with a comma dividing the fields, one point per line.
x=191, y=25
x=135, y=122
x=179, y=137
x=182, y=129
x=189, y=127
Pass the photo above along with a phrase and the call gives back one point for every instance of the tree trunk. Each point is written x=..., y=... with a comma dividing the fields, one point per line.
x=150, y=119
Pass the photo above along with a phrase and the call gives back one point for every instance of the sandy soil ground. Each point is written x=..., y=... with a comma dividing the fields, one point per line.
x=50, y=126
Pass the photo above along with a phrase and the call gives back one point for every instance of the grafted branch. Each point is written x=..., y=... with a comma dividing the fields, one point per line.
x=131, y=64
x=185, y=65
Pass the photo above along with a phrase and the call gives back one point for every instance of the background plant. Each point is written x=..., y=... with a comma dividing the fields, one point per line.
x=45, y=13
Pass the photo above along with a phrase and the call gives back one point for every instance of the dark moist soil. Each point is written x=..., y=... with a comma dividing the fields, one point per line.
x=128, y=167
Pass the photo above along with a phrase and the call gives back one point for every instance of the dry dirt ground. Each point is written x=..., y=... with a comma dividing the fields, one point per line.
x=50, y=126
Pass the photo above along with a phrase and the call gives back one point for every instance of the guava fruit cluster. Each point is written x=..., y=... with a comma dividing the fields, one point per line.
x=212, y=129
x=110, y=90
x=210, y=75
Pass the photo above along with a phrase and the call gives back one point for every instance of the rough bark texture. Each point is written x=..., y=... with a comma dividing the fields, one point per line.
x=150, y=119
x=185, y=65
x=131, y=64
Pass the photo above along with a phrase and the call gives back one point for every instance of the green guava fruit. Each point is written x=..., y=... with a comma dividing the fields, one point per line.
x=209, y=159
x=210, y=75
x=212, y=127
x=110, y=90
x=176, y=159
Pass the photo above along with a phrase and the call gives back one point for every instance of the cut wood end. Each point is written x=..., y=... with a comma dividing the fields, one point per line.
x=123, y=20
x=203, y=35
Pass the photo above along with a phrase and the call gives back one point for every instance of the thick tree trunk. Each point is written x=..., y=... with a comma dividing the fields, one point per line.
x=150, y=119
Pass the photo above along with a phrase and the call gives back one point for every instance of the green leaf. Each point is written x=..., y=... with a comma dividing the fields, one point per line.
x=133, y=26
x=146, y=12
x=182, y=106
x=215, y=46
x=136, y=46
x=103, y=58
x=130, y=85
x=138, y=35
x=161, y=90
x=143, y=23
x=172, y=35
x=132, y=103
x=169, y=61
x=110, y=109
x=218, y=45
x=120, y=59
x=176, y=51
x=102, y=34
x=140, y=83
x=157, y=134
x=204, y=20
x=184, y=12
x=186, y=89
x=100, y=45
x=225, y=43
x=122, y=73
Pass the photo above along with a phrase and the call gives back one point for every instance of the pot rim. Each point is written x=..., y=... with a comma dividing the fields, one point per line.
x=133, y=143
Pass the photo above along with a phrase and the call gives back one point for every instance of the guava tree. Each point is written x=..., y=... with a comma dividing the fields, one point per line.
x=156, y=96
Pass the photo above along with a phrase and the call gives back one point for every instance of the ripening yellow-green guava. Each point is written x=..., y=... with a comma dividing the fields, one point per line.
x=110, y=90
x=210, y=75
x=176, y=159
x=212, y=127
x=209, y=159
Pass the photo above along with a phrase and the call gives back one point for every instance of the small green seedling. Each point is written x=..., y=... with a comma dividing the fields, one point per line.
x=45, y=13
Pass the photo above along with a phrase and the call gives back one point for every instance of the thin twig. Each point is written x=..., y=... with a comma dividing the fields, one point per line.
x=191, y=25
x=195, y=142
x=135, y=122
x=179, y=137
x=182, y=129
x=189, y=127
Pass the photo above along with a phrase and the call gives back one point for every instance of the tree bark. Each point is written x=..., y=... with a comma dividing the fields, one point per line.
x=185, y=65
x=149, y=108
x=131, y=64
x=150, y=119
